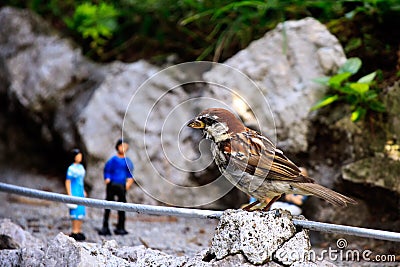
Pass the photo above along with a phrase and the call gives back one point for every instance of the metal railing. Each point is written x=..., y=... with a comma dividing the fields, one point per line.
x=190, y=213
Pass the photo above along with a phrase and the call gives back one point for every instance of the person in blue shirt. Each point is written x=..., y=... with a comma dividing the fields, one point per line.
x=74, y=186
x=118, y=176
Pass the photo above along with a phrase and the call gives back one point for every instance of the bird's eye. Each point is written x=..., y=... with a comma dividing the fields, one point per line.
x=209, y=121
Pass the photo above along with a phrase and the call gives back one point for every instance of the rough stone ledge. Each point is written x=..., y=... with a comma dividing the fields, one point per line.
x=260, y=237
x=241, y=239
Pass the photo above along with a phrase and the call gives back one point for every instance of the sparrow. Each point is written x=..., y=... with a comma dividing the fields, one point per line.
x=251, y=162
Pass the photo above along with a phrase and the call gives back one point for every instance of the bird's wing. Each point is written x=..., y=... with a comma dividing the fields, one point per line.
x=257, y=155
x=284, y=169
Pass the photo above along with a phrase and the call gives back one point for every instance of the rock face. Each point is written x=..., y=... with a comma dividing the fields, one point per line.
x=148, y=106
x=363, y=160
x=282, y=65
x=376, y=154
x=392, y=102
x=47, y=76
x=18, y=236
x=377, y=171
x=71, y=102
x=26, y=250
x=241, y=239
x=65, y=251
x=382, y=169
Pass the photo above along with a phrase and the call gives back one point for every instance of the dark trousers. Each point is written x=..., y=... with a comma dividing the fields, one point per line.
x=119, y=191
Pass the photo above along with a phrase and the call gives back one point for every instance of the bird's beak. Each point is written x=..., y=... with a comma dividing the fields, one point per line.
x=196, y=124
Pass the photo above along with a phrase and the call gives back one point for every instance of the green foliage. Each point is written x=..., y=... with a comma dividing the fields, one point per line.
x=360, y=95
x=230, y=20
x=239, y=22
x=374, y=7
x=207, y=29
x=97, y=22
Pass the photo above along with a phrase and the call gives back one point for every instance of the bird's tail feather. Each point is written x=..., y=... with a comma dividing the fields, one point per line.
x=329, y=195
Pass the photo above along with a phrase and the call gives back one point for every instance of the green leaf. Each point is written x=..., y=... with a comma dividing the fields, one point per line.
x=377, y=106
x=337, y=80
x=367, y=78
x=353, y=44
x=325, y=101
x=360, y=88
x=351, y=99
x=358, y=114
x=322, y=80
x=95, y=21
x=370, y=95
x=346, y=90
x=197, y=17
x=352, y=65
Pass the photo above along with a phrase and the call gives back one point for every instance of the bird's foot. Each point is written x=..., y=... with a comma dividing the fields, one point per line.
x=249, y=206
x=275, y=198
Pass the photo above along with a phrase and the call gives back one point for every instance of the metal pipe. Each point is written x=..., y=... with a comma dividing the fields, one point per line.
x=104, y=204
x=190, y=213
x=347, y=230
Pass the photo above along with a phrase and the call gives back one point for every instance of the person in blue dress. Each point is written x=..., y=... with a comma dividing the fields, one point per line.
x=74, y=185
x=118, y=176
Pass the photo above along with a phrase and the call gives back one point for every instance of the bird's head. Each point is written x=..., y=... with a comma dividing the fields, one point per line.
x=217, y=124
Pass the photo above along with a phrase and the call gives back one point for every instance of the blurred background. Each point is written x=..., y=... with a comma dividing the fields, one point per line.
x=81, y=73
x=181, y=31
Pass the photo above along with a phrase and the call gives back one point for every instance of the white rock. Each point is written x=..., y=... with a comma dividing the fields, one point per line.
x=256, y=235
x=29, y=251
x=282, y=64
x=295, y=250
x=19, y=235
x=65, y=251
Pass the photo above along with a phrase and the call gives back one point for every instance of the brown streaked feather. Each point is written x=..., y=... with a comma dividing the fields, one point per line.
x=285, y=165
x=255, y=154
x=251, y=162
x=329, y=195
x=272, y=165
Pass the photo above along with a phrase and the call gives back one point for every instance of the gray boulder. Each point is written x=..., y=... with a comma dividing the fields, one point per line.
x=71, y=101
x=23, y=249
x=282, y=65
x=19, y=237
x=150, y=107
x=65, y=251
x=48, y=77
